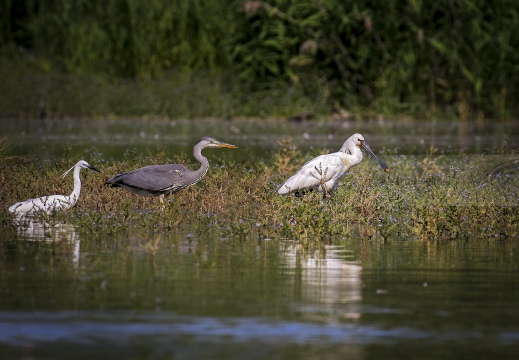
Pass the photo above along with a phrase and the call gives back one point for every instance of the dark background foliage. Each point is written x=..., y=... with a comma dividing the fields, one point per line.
x=451, y=54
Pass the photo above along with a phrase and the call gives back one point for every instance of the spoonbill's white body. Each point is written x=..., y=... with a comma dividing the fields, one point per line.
x=51, y=203
x=324, y=172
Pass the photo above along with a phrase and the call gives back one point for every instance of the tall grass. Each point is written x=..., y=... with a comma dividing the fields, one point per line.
x=431, y=198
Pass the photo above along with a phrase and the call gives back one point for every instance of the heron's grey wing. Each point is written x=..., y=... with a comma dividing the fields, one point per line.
x=153, y=177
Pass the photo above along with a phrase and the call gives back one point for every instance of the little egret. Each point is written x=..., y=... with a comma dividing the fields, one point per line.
x=49, y=204
x=160, y=180
x=324, y=172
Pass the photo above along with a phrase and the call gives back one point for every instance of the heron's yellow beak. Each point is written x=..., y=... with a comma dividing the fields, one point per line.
x=225, y=145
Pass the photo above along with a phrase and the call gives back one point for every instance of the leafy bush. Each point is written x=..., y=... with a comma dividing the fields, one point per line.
x=392, y=56
x=459, y=54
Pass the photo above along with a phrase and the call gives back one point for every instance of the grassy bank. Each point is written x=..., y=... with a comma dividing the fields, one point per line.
x=428, y=197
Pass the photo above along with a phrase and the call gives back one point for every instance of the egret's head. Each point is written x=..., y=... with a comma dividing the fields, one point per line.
x=81, y=164
x=84, y=165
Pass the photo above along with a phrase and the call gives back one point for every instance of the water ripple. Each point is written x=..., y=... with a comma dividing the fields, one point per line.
x=120, y=328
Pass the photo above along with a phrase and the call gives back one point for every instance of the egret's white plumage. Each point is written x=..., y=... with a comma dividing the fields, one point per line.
x=324, y=172
x=48, y=204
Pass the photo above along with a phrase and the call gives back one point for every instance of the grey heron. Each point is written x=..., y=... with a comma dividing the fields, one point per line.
x=160, y=180
x=51, y=203
x=324, y=172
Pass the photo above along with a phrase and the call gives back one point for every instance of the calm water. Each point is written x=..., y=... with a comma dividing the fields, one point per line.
x=64, y=294
x=203, y=297
x=58, y=138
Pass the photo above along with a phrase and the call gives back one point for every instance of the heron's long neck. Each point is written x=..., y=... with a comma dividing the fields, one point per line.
x=77, y=186
x=204, y=164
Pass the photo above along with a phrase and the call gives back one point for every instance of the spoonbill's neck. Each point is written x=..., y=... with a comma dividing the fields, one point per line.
x=354, y=154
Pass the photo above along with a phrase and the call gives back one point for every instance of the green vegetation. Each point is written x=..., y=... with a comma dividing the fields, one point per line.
x=431, y=198
x=226, y=58
x=27, y=91
x=230, y=59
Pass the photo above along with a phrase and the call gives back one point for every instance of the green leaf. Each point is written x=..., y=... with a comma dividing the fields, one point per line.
x=438, y=45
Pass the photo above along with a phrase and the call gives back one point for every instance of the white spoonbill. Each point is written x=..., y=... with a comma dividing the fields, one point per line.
x=324, y=172
x=48, y=204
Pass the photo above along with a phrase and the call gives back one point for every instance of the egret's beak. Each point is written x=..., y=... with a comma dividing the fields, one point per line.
x=66, y=172
x=366, y=147
x=93, y=168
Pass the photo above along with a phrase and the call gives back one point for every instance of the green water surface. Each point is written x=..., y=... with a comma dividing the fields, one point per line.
x=200, y=297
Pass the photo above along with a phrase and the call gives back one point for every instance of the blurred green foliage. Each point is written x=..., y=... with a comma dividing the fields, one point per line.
x=129, y=38
x=391, y=56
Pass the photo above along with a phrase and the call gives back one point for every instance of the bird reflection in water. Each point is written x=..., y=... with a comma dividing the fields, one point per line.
x=32, y=229
x=328, y=282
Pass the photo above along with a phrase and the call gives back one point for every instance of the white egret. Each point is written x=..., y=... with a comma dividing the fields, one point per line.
x=49, y=204
x=324, y=172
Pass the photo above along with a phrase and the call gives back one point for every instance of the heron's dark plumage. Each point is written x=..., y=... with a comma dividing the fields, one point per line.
x=155, y=180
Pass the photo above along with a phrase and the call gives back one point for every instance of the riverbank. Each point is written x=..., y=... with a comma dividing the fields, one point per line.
x=427, y=197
